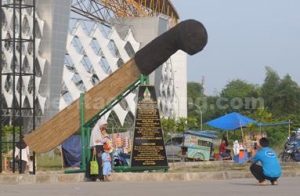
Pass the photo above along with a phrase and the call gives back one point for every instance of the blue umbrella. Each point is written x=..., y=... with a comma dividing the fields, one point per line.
x=231, y=121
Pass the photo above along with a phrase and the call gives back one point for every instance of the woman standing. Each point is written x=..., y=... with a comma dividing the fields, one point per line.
x=96, y=143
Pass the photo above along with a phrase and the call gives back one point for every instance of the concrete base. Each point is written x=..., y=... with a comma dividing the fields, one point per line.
x=178, y=172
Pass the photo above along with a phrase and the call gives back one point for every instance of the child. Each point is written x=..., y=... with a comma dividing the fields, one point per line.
x=236, y=148
x=107, y=140
x=106, y=162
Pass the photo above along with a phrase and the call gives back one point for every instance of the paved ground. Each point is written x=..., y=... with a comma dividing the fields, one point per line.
x=235, y=187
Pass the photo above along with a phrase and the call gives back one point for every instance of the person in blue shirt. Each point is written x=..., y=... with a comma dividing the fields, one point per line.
x=106, y=161
x=265, y=165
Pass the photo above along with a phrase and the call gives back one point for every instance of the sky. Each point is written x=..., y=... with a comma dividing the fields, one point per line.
x=244, y=36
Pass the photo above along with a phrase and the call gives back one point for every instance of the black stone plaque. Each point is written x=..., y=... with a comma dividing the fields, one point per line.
x=148, y=145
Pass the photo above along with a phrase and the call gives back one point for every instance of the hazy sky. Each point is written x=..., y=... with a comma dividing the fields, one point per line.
x=244, y=36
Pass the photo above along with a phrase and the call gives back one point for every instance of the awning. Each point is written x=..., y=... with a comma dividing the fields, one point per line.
x=231, y=121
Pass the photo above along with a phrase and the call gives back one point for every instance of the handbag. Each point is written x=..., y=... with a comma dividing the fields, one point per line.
x=94, y=167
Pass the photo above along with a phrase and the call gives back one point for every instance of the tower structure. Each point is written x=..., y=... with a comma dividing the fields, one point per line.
x=19, y=72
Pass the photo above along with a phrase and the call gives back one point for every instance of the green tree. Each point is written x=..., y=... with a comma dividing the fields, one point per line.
x=269, y=88
x=194, y=90
x=7, y=135
x=238, y=88
x=239, y=96
x=287, y=98
x=181, y=125
x=196, y=104
x=262, y=115
x=168, y=127
x=168, y=124
x=192, y=123
x=211, y=109
x=294, y=119
x=282, y=99
x=172, y=126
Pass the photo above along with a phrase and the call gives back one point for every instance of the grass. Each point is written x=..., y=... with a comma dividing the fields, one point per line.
x=47, y=162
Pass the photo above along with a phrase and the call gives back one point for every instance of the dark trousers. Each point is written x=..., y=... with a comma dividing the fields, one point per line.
x=99, y=150
x=23, y=165
x=257, y=172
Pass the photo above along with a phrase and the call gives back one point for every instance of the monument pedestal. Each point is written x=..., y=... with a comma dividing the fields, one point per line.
x=148, y=151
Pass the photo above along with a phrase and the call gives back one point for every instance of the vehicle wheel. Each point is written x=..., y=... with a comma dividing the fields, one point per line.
x=183, y=159
x=198, y=157
x=285, y=157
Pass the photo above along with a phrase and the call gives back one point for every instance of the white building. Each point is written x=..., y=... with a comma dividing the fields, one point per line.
x=74, y=53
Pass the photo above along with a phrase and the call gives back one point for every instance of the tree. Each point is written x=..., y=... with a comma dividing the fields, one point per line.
x=211, y=109
x=168, y=124
x=238, y=88
x=262, y=115
x=171, y=126
x=287, y=98
x=194, y=90
x=181, y=125
x=295, y=121
x=192, y=123
x=196, y=101
x=238, y=95
x=282, y=99
x=270, y=88
x=7, y=135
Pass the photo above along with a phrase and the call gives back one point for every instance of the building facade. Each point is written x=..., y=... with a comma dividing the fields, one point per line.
x=73, y=53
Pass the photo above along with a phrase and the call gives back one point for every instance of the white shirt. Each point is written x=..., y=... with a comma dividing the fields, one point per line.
x=30, y=166
x=96, y=138
x=236, y=148
x=25, y=153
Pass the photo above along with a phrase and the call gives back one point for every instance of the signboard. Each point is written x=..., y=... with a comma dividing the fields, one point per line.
x=148, y=145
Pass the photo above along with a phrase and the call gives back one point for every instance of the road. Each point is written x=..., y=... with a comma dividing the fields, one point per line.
x=235, y=187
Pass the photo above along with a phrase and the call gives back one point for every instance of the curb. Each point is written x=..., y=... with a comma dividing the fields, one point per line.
x=58, y=178
x=40, y=178
x=179, y=171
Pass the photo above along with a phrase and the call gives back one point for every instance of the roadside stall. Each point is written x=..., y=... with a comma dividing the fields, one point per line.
x=231, y=122
x=198, y=145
